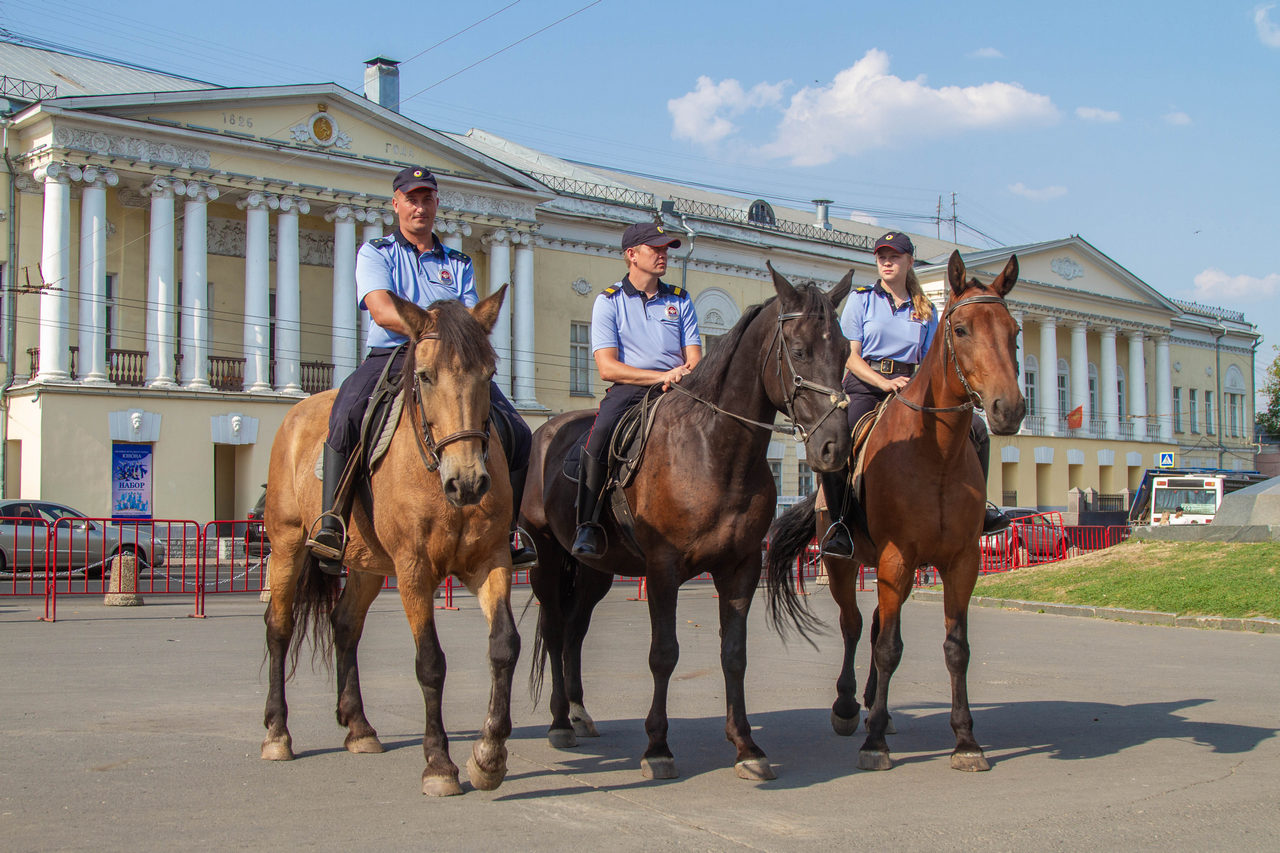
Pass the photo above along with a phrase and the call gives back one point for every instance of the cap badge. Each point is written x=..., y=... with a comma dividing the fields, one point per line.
x=660, y=231
x=417, y=173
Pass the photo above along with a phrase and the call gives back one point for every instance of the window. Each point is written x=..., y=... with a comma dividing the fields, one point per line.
x=579, y=359
x=760, y=213
x=1030, y=380
x=1192, y=414
x=1177, y=409
x=775, y=468
x=1121, y=408
x=109, y=310
x=1064, y=395
x=805, y=485
x=1208, y=413
x=1093, y=392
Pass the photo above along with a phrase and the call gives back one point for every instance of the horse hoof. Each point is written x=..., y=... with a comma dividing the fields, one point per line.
x=872, y=760
x=755, y=770
x=440, y=786
x=843, y=726
x=583, y=725
x=658, y=768
x=484, y=780
x=277, y=750
x=973, y=762
x=562, y=738
x=364, y=745
x=889, y=727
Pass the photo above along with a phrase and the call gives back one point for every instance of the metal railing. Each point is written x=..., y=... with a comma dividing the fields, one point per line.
x=703, y=210
x=27, y=90
x=1111, y=503
x=598, y=192
x=1034, y=425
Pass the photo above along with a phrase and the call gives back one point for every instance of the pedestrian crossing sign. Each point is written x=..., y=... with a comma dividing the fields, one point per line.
x=1166, y=459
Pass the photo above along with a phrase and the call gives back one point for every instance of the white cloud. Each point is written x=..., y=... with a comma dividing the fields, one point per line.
x=864, y=218
x=865, y=107
x=986, y=53
x=1177, y=118
x=1096, y=114
x=1213, y=285
x=1268, y=32
x=1043, y=194
x=699, y=116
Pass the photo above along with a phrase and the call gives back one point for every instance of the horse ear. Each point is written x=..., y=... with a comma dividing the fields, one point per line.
x=785, y=291
x=841, y=290
x=486, y=311
x=956, y=274
x=1008, y=277
x=415, y=319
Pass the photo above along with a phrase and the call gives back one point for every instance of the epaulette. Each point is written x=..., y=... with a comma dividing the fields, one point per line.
x=611, y=291
x=864, y=288
x=382, y=242
x=454, y=253
x=679, y=291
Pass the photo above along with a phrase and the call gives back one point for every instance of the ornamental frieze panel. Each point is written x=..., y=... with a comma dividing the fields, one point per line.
x=481, y=205
x=226, y=237
x=132, y=148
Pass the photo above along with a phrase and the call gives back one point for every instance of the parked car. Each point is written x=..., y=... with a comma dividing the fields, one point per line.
x=256, y=543
x=1042, y=535
x=29, y=528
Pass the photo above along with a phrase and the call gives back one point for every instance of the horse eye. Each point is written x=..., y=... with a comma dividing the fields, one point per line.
x=962, y=332
x=800, y=353
x=425, y=377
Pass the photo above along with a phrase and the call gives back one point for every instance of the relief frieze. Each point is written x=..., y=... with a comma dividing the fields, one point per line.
x=132, y=148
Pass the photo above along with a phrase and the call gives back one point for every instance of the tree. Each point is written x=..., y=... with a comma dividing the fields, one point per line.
x=1268, y=418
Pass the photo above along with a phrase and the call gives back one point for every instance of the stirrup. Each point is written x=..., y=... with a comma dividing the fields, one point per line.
x=321, y=550
x=523, y=556
x=830, y=535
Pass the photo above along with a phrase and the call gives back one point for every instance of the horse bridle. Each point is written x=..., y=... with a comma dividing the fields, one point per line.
x=839, y=400
x=428, y=448
x=975, y=399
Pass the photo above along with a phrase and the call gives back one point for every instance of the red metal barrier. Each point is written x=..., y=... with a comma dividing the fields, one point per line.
x=24, y=560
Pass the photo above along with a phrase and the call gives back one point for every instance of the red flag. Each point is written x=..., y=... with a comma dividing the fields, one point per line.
x=1075, y=420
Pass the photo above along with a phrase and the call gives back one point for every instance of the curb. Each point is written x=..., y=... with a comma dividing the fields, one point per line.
x=1115, y=614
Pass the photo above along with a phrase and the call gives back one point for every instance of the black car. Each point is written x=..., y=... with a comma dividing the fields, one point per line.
x=256, y=543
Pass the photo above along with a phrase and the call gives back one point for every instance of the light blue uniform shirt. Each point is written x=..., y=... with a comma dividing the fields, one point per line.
x=647, y=333
x=393, y=263
x=869, y=318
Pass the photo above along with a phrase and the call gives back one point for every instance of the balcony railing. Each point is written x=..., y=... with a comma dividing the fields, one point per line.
x=1034, y=424
x=128, y=367
x=1126, y=430
x=226, y=373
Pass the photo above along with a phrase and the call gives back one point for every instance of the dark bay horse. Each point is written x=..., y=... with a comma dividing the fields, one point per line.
x=702, y=501
x=441, y=505
x=924, y=495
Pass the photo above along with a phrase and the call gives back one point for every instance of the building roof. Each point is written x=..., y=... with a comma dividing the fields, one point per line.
x=82, y=75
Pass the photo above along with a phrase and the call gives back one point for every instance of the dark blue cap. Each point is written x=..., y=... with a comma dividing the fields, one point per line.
x=647, y=234
x=897, y=241
x=413, y=178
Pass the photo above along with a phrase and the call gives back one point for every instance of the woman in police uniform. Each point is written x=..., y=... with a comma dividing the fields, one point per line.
x=890, y=327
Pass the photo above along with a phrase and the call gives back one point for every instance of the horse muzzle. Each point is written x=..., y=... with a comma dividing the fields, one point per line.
x=464, y=488
x=1004, y=416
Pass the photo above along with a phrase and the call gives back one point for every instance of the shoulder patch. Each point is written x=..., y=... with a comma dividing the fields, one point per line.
x=454, y=253
x=864, y=288
x=611, y=291
x=382, y=242
x=679, y=291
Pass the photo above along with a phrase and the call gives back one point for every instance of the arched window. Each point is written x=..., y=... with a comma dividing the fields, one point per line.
x=1030, y=380
x=760, y=213
x=1064, y=385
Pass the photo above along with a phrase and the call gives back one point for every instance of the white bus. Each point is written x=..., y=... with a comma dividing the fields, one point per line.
x=1185, y=499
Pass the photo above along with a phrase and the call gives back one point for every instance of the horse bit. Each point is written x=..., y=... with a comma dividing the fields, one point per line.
x=428, y=448
x=839, y=400
x=975, y=399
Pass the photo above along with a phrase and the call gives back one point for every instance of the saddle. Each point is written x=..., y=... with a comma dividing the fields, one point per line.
x=862, y=430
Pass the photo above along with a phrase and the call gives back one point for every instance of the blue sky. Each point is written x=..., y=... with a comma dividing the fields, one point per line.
x=1149, y=128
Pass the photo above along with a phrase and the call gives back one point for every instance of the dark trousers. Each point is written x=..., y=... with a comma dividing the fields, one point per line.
x=353, y=398
x=616, y=401
x=863, y=398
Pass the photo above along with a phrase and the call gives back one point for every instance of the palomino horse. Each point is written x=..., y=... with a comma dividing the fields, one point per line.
x=702, y=500
x=420, y=527
x=924, y=494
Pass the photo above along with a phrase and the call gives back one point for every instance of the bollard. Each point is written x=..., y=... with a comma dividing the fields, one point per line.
x=122, y=584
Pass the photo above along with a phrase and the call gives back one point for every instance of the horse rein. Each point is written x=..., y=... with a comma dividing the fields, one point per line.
x=975, y=399
x=839, y=400
x=428, y=448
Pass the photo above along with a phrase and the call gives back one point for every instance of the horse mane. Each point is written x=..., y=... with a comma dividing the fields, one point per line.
x=461, y=337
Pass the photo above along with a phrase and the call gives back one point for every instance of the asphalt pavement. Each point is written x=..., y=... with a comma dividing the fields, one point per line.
x=139, y=728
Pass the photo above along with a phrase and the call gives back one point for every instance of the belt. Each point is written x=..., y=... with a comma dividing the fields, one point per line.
x=889, y=367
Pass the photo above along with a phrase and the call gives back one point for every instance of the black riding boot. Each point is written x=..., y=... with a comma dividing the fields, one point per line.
x=838, y=541
x=522, y=556
x=330, y=540
x=994, y=521
x=590, y=539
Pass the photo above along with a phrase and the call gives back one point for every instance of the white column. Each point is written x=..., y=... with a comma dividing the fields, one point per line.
x=377, y=224
x=257, y=290
x=498, y=245
x=1049, y=374
x=288, y=297
x=1079, y=379
x=91, y=336
x=344, y=311
x=1108, y=384
x=1019, y=343
x=194, y=329
x=1137, y=385
x=525, y=396
x=161, y=340
x=452, y=231
x=1164, y=389
x=55, y=269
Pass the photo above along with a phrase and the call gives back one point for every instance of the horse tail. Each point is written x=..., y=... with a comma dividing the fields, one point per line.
x=313, y=601
x=564, y=591
x=789, y=536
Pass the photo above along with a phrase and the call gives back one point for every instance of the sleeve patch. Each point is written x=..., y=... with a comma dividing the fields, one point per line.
x=611, y=291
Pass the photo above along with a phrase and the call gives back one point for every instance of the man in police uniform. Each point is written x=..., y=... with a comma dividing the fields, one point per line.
x=413, y=264
x=644, y=332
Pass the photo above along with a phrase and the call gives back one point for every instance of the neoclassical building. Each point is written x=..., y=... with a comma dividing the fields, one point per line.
x=179, y=271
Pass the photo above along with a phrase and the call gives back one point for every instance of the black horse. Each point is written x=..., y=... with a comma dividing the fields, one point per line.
x=702, y=501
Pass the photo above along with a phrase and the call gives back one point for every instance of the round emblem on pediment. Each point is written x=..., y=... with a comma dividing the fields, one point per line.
x=321, y=129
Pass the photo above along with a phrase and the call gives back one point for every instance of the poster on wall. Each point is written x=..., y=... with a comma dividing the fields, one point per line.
x=131, y=480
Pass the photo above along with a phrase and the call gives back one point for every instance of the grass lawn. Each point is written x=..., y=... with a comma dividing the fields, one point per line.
x=1192, y=579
